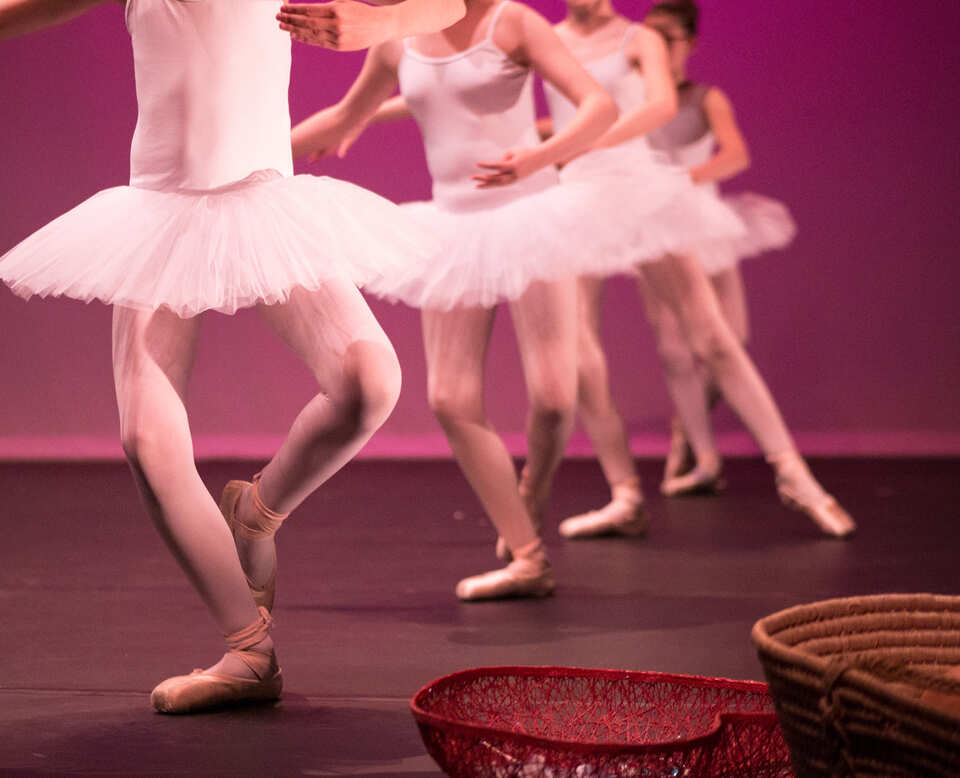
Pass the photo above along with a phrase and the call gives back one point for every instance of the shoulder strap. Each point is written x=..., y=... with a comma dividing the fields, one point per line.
x=495, y=19
x=631, y=29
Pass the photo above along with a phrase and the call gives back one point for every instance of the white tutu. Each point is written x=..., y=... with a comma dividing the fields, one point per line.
x=664, y=211
x=769, y=226
x=251, y=242
x=492, y=254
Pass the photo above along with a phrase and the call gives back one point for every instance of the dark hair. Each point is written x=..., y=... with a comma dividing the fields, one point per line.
x=684, y=11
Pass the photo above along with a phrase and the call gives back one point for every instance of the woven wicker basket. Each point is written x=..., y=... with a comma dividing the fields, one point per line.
x=559, y=722
x=867, y=686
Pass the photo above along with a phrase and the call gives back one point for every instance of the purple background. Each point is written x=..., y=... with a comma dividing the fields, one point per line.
x=852, y=120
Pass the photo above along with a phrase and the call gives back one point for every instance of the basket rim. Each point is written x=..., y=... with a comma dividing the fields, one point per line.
x=834, y=609
x=711, y=732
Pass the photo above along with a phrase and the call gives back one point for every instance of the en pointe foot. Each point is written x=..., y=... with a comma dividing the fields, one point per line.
x=798, y=489
x=247, y=673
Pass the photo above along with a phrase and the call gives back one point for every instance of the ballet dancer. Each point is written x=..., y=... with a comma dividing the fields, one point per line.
x=470, y=91
x=705, y=138
x=214, y=219
x=632, y=62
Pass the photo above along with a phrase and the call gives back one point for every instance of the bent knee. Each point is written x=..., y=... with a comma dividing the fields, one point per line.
x=552, y=407
x=371, y=383
x=452, y=406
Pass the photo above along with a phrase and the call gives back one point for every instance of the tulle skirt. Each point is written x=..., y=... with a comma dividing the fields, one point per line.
x=769, y=226
x=251, y=242
x=612, y=209
x=666, y=213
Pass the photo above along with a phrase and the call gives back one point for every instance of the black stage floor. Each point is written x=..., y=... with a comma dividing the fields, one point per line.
x=95, y=612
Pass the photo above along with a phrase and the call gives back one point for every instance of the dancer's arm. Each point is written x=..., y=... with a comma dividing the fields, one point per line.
x=528, y=38
x=333, y=129
x=647, y=50
x=18, y=17
x=347, y=25
x=732, y=154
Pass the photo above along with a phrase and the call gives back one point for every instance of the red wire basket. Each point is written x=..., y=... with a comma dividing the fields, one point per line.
x=564, y=722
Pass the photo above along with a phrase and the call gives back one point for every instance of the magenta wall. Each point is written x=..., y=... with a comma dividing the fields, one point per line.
x=851, y=121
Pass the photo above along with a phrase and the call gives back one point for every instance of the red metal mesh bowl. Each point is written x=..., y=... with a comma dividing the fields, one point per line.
x=560, y=722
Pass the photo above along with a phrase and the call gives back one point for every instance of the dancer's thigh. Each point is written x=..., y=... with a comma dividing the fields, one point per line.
x=333, y=330
x=456, y=343
x=153, y=353
x=545, y=321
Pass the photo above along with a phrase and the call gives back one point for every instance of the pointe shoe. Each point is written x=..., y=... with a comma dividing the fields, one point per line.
x=623, y=515
x=799, y=490
x=679, y=455
x=528, y=575
x=206, y=690
x=696, y=481
x=267, y=526
x=503, y=552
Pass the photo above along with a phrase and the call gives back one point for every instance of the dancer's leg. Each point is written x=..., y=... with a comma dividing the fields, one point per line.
x=599, y=415
x=152, y=358
x=334, y=332
x=728, y=286
x=456, y=346
x=604, y=426
x=687, y=383
x=690, y=386
x=679, y=282
x=545, y=322
x=681, y=286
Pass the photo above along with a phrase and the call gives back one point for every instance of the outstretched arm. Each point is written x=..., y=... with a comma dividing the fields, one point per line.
x=348, y=25
x=732, y=155
x=528, y=37
x=18, y=17
x=648, y=52
x=333, y=129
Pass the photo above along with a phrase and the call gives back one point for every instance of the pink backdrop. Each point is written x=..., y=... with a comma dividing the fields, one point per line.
x=851, y=121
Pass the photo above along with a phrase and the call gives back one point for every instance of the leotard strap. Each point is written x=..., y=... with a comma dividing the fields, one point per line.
x=495, y=19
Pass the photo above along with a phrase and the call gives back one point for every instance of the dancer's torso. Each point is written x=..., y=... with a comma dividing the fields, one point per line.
x=471, y=107
x=212, y=79
x=614, y=72
x=687, y=138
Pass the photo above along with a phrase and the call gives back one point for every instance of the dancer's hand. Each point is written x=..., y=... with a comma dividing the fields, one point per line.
x=514, y=165
x=342, y=25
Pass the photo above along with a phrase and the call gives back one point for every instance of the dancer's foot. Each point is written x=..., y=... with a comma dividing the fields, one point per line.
x=528, y=575
x=248, y=672
x=680, y=459
x=798, y=489
x=705, y=478
x=623, y=515
x=536, y=508
x=253, y=526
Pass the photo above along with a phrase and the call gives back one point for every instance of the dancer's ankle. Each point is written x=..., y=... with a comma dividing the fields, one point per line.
x=627, y=491
x=709, y=461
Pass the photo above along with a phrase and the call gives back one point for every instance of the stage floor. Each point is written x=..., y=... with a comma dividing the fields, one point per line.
x=95, y=611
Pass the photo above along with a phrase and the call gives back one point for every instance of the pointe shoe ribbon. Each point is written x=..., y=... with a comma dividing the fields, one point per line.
x=266, y=526
x=205, y=689
x=799, y=490
x=528, y=575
